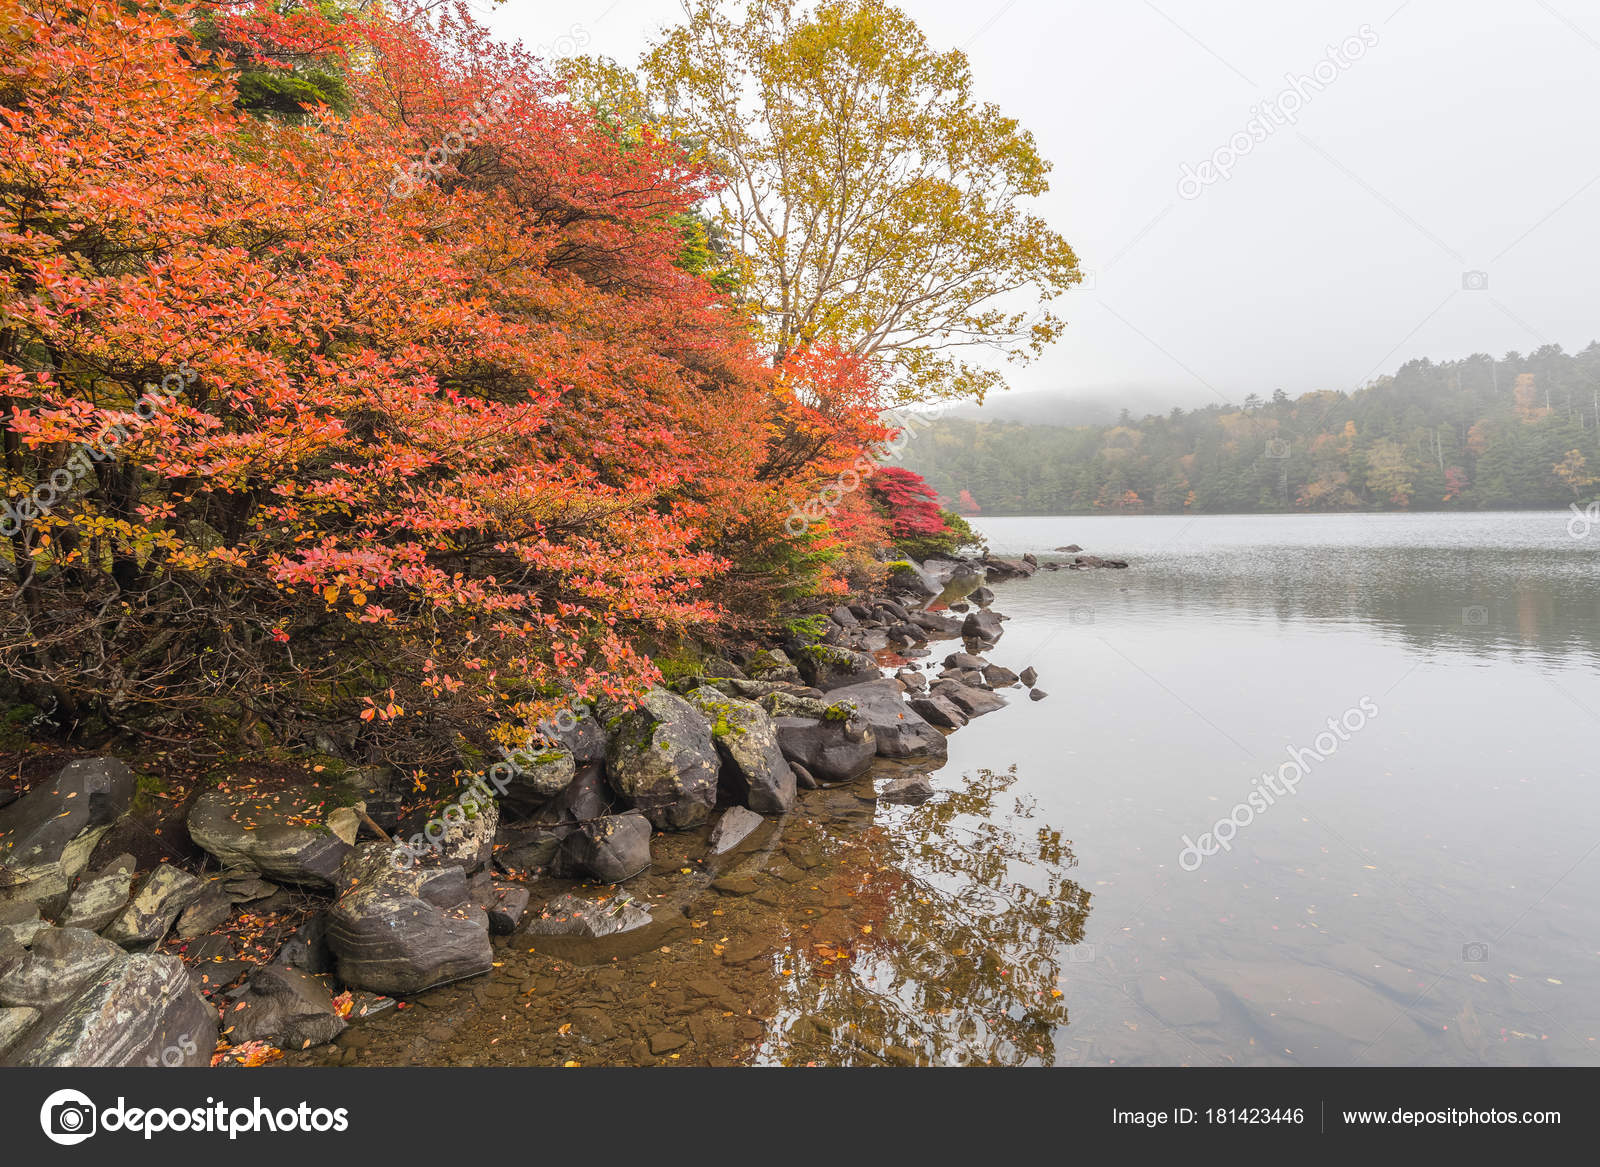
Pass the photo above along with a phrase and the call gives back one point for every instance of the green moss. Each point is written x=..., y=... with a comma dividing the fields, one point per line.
x=14, y=726
x=147, y=791
x=826, y=654
x=839, y=711
x=807, y=628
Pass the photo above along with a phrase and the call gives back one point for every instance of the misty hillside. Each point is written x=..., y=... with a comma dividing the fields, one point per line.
x=1475, y=433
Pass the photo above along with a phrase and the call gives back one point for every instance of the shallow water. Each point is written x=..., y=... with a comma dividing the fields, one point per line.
x=1424, y=893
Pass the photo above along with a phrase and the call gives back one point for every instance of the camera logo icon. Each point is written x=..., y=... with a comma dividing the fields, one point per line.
x=1081, y=616
x=68, y=1117
x=1475, y=281
x=1475, y=952
x=1475, y=617
x=1277, y=448
x=1080, y=954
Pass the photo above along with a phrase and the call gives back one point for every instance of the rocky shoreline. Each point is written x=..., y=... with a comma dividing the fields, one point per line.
x=309, y=910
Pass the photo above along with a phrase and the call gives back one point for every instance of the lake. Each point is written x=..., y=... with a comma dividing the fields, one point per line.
x=1416, y=883
x=1423, y=887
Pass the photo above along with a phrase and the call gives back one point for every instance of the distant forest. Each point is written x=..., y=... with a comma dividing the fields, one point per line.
x=1477, y=433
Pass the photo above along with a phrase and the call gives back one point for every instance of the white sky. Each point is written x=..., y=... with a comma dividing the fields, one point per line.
x=1464, y=140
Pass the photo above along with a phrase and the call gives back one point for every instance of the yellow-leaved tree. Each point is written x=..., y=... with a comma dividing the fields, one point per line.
x=870, y=201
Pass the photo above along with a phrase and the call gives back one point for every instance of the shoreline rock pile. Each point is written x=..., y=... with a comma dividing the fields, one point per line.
x=89, y=970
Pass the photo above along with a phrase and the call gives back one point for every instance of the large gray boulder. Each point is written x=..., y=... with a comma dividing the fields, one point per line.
x=157, y=901
x=982, y=627
x=60, y=961
x=536, y=776
x=399, y=931
x=280, y=833
x=285, y=1007
x=899, y=730
x=827, y=667
x=663, y=761
x=832, y=749
x=142, y=1010
x=611, y=848
x=457, y=833
x=972, y=702
x=753, y=766
x=47, y=835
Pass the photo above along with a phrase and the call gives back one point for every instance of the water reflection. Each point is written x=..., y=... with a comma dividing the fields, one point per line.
x=963, y=916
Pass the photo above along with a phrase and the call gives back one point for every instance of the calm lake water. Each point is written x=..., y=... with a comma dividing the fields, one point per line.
x=1427, y=893
x=1419, y=887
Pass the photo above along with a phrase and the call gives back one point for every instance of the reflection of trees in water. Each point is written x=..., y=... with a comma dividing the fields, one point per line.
x=1478, y=600
x=952, y=949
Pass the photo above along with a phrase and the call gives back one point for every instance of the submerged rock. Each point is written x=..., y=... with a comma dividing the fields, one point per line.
x=663, y=761
x=734, y=827
x=911, y=790
x=573, y=915
x=982, y=627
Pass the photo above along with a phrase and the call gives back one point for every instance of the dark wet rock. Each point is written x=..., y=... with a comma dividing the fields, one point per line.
x=911, y=790
x=60, y=962
x=913, y=680
x=908, y=579
x=20, y=922
x=586, y=797
x=531, y=777
x=666, y=1041
x=157, y=900
x=721, y=666
x=458, y=833
x=285, y=1007
x=844, y=617
x=999, y=676
x=1070, y=547
x=212, y=908
x=307, y=948
x=973, y=702
x=982, y=597
x=1003, y=569
x=47, y=835
x=965, y=661
x=611, y=848
x=1037, y=694
x=939, y=710
x=573, y=915
x=734, y=827
x=802, y=777
x=892, y=609
x=397, y=931
x=735, y=885
x=959, y=606
x=244, y=889
x=279, y=833
x=13, y=1024
x=899, y=730
x=936, y=624
x=829, y=668
x=832, y=749
x=753, y=767
x=906, y=633
x=506, y=907
x=771, y=665
x=982, y=626
x=971, y=677
x=582, y=734
x=532, y=849
x=140, y=1010
x=99, y=898
x=1028, y=676
x=664, y=762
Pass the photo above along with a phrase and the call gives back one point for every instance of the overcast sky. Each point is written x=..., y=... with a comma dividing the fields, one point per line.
x=1452, y=137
